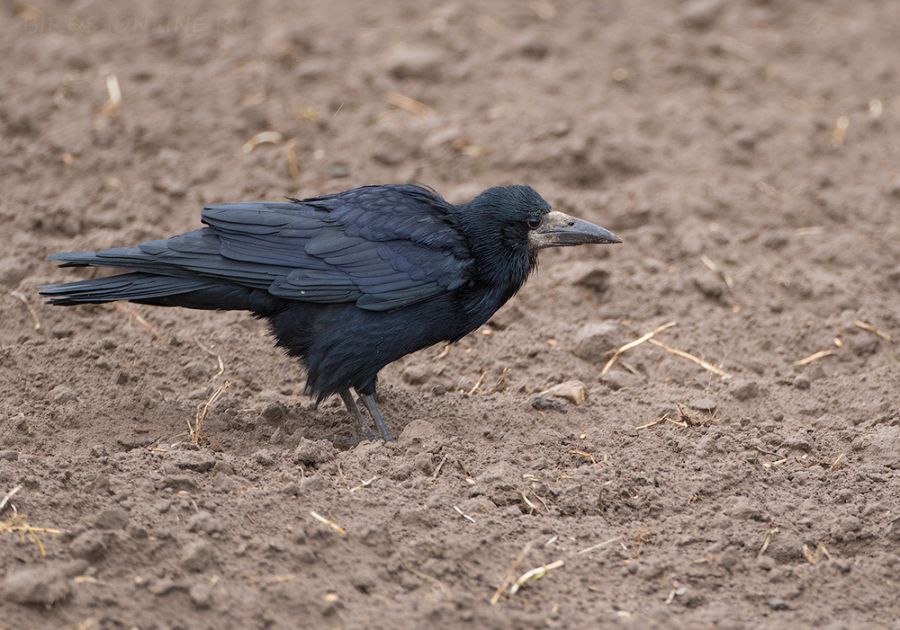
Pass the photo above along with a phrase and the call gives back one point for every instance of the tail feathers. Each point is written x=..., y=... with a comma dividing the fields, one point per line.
x=148, y=288
x=128, y=286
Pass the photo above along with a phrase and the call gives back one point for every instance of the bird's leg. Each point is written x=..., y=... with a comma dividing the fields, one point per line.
x=372, y=406
x=347, y=397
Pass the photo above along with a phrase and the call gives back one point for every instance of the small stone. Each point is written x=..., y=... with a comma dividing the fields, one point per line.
x=43, y=585
x=776, y=603
x=111, y=519
x=62, y=395
x=197, y=555
x=312, y=453
x=542, y=403
x=201, y=595
x=703, y=404
x=264, y=457
x=9, y=456
x=204, y=522
x=273, y=413
x=743, y=389
x=590, y=276
x=617, y=380
x=89, y=544
x=423, y=463
x=339, y=171
x=595, y=340
x=709, y=284
x=415, y=63
x=740, y=507
x=573, y=391
x=201, y=460
x=417, y=373
x=162, y=586
x=701, y=14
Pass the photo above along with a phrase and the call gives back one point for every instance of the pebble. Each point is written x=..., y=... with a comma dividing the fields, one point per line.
x=743, y=389
x=595, y=339
x=111, y=518
x=573, y=391
x=415, y=62
x=200, y=460
x=10, y=456
x=312, y=452
x=776, y=603
x=62, y=395
x=701, y=14
x=417, y=373
x=197, y=555
x=590, y=276
x=542, y=403
x=703, y=404
x=89, y=545
x=43, y=585
x=201, y=595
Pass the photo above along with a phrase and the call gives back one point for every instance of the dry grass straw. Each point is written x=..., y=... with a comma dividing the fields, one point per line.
x=24, y=300
x=863, y=325
x=115, y=96
x=340, y=531
x=510, y=574
x=409, y=104
x=463, y=514
x=633, y=344
x=220, y=365
x=290, y=155
x=195, y=429
x=706, y=365
x=263, y=137
x=815, y=356
x=649, y=337
x=18, y=523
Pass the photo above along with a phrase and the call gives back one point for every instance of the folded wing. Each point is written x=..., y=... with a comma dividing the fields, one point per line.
x=381, y=247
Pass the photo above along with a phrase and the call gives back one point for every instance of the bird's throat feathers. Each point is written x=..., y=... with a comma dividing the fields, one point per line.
x=503, y=257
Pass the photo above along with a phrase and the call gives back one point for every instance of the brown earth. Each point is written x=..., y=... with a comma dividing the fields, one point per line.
x=756, y=138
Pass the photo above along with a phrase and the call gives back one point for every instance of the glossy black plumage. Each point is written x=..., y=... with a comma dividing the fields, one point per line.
x=349, y=282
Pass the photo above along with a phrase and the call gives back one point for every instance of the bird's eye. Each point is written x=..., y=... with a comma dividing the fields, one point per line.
x=534, y=223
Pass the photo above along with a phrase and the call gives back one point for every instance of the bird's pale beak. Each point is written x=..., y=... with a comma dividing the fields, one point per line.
x=560, y=230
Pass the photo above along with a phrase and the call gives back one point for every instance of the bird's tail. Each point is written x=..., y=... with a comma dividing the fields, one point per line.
x=159, y=290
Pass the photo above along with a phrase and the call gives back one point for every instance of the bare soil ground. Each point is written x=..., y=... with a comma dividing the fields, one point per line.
x=747, y=153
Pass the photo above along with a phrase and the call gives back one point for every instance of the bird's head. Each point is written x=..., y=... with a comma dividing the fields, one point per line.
x=519, y=218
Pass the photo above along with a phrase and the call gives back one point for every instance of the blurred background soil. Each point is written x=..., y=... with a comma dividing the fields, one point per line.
x=746, y=152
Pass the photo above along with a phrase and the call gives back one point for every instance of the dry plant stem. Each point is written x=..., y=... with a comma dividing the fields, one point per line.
x=815, y=356
x=706, y=365
x=634, y=344
x=870, y=328
x=510, y=574
x=534, y=574
x=9, y=495
x=329, y=523
x=34, y=316
x=220, y=365
x=263, y=137
x=463, y=514
x=600, y=545
x=203, y=412
x=409, y=104
x=290, y=155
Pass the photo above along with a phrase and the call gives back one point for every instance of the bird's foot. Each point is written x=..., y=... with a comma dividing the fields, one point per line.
x=366, y=432
x=372, y=406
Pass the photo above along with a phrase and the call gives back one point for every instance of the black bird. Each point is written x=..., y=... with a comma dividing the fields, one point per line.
x=348, y=282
